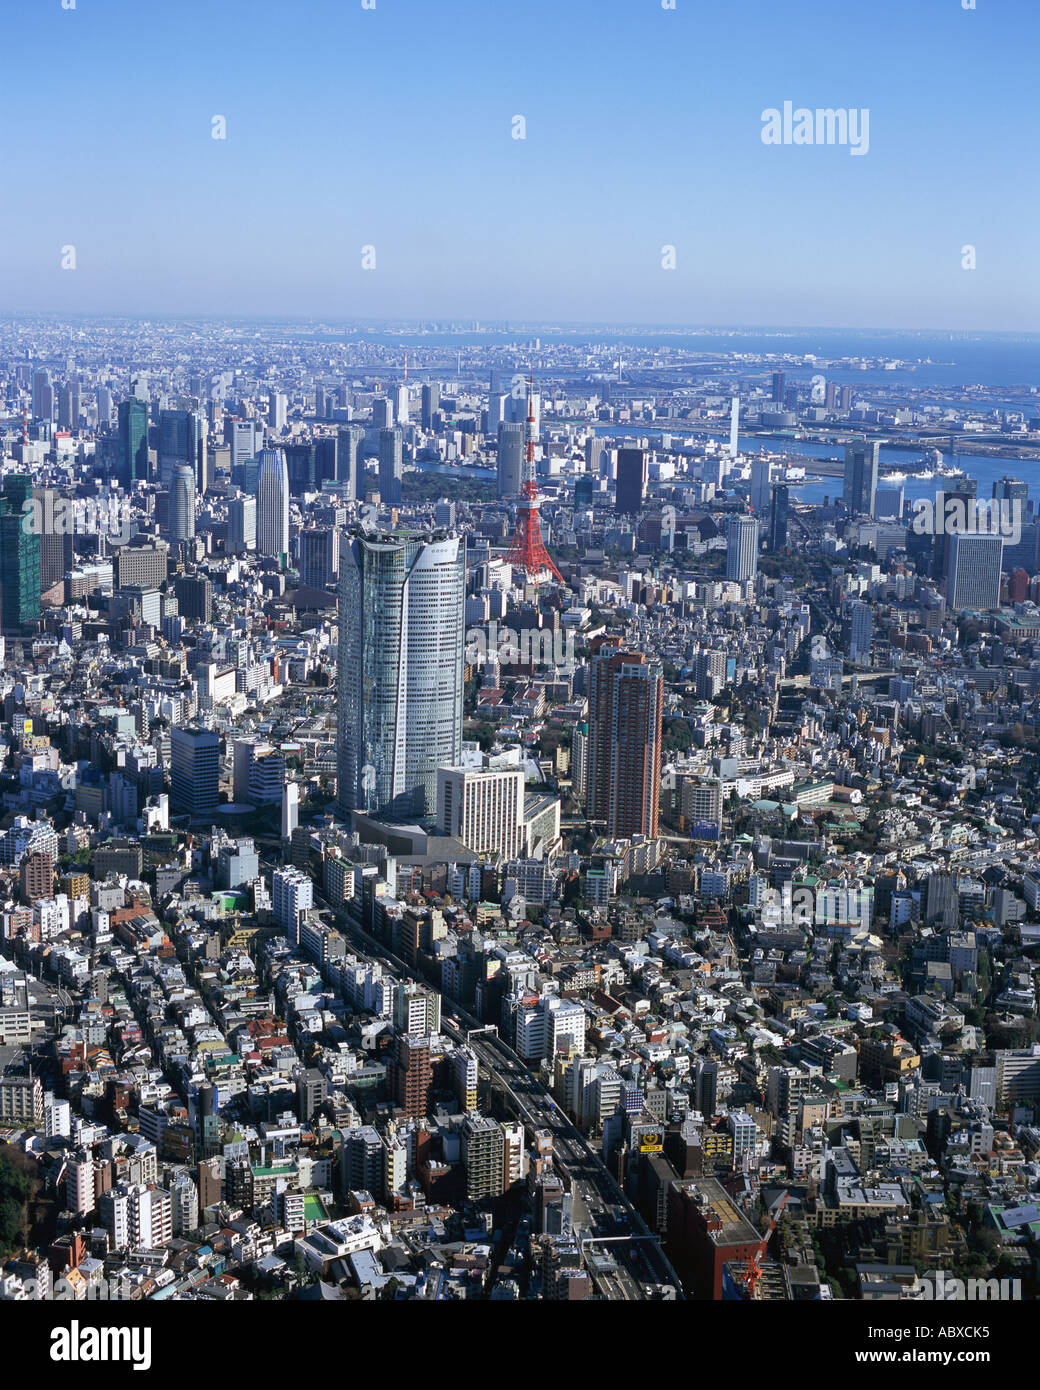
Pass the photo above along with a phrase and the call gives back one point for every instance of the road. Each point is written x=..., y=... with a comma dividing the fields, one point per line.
x=641, y=1262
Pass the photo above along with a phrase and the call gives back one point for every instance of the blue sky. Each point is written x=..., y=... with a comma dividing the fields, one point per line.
x=391, y=128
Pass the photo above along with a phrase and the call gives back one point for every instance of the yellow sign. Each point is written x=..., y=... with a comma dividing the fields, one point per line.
x=651, y=1148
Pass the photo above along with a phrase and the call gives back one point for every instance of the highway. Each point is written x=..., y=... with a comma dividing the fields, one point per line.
x=601, y=1207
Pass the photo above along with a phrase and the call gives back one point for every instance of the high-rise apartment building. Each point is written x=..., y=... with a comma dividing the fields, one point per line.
x=626, y=696
x=182, y=504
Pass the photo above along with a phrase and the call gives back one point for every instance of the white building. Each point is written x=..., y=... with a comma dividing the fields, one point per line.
x=482, y=807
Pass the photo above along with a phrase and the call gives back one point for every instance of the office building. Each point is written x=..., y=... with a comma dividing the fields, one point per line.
x=141, y=566
x=194, y=593
x=182, y=440
x=272, y=505
x=758, y=493
x=319, y=556
x=482, y=807
x=401, y=614
x=431, y=404
x=241, y=525
x=194, y=771
x=742, y=549
x=510, y=458
x=860, y=628
x=861, y=476
x=391, y=465
x=133, y=441
x=350, y=461
x=19, y=557
x=69, y=406
x=631, y=480
x=779, y=516
x=42, y=395
x=973, y=573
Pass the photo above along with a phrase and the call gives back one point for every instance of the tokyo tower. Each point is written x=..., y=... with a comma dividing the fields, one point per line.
x=527, y=550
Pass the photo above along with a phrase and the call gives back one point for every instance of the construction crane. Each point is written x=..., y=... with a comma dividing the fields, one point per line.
x=753, y=1272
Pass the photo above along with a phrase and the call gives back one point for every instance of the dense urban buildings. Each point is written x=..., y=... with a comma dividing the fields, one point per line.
x=389, y=913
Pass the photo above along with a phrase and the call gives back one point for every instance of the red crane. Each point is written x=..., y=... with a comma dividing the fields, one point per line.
x=527, y=550
x=754, y=1270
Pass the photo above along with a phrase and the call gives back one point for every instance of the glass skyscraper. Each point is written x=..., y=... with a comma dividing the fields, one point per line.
x=401, y=626
x=861, y=476
x=133, y=440
x=19, y=556
x=272, y=504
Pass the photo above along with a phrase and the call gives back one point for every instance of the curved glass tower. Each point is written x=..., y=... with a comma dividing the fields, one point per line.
x=401, y=625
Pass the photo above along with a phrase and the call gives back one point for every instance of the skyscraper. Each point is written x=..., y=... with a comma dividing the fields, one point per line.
x=510, y=458
x=742, y=549
x=182, y=439
x=758, y=495
x=631, y=480
x=973, y=573
x=431, y=403
x=19, y=557
x=182, y=503
x=626, y=697
x=319, y=556
x=194, y=771
x=133, y=441
x=1011, y=490
x=272, y=504
x=241, y=524
x=42, y=395
x=391, y=465
x=350, y=462
x=57, y=553
x=69, y=406
x=860, y=632
x=401, y=615
x=778, y=517
x=861, y=476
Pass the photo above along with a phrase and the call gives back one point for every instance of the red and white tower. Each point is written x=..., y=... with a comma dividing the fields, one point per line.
x=527, y=550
